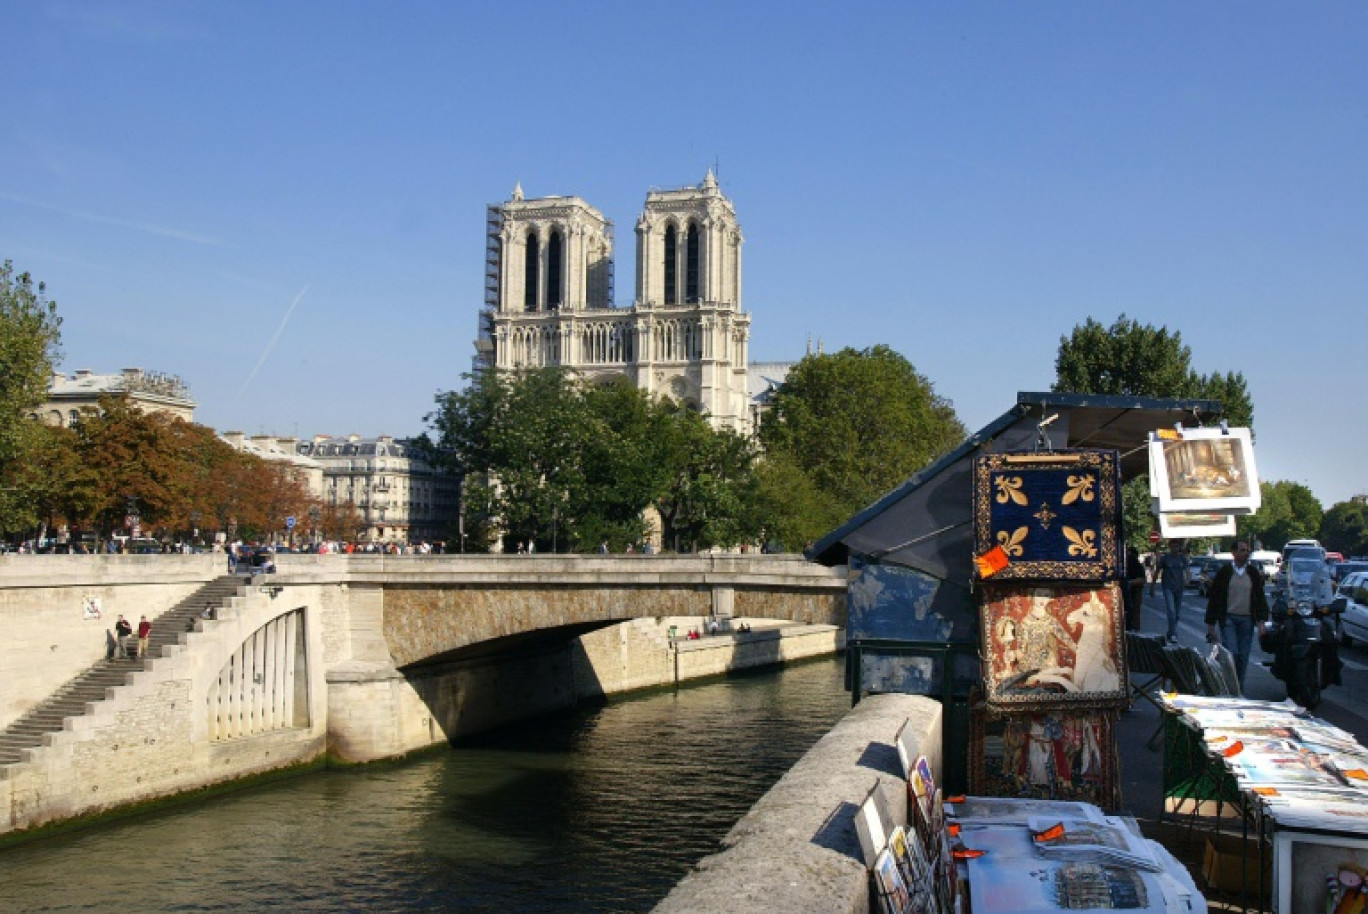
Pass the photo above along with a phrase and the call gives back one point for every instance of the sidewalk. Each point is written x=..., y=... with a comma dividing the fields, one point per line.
x=1142, y=768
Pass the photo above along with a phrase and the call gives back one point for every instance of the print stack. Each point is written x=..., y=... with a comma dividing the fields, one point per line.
x=1307, y=774
x=1044, y=856
x=1047, y=534
x=1201, y=479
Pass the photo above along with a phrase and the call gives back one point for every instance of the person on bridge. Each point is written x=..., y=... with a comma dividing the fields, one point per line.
x=1172, y=575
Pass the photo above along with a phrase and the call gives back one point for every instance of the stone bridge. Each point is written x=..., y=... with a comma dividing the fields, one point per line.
x=356, y=658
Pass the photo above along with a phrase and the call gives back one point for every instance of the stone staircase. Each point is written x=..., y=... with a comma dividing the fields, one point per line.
x=71, y=700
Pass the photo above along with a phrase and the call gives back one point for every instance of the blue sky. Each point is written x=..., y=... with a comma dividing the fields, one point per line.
x=283, y=203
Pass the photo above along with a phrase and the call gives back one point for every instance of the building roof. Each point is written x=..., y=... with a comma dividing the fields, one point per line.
x=154, y=385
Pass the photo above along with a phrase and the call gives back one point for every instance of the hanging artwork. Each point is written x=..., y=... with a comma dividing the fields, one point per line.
x=1182, y=525
x=1048, y=647
x=1204, y=469
x=1048, y=516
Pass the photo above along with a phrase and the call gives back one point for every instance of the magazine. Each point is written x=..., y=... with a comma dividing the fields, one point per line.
x=1081, y=840
x=1013, y=811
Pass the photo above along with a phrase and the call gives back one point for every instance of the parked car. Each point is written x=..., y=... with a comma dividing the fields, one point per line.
x=1340, y=570
x=1195, y=568
x=1353, y=621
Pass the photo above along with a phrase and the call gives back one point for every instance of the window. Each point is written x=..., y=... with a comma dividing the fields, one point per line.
x=530, y=272
x=691, y=265
x=671, y=281
x=555, y=253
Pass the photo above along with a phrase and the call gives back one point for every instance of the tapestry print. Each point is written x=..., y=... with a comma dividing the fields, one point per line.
x=1048, y=756
x=1051, y=647
x=1055, y=515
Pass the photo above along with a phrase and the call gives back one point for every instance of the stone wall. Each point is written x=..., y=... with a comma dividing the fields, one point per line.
x=796, y=850
x=150, y=738
x=49, y=635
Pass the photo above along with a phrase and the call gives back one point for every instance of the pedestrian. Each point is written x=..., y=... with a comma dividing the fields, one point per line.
x=603, y=548
x=1236, y=605
x=1172, y=577
x=144, y=632
x=1135, y=588
x=122, y=631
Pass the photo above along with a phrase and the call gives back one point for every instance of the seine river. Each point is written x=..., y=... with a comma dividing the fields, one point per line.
x=599, y=809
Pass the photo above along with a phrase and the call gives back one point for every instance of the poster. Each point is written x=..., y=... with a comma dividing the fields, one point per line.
x=1048, y=647
x=1205, y=470
x=1053, y=516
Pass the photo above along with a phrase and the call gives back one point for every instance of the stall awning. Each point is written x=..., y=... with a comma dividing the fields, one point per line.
x=924, y=524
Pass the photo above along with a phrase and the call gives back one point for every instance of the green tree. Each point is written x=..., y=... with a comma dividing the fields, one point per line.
x=857, y=423
x=1288, y=511
x=1133, y=359
x=30, y=336
x=550, y=459
x=1344, y=528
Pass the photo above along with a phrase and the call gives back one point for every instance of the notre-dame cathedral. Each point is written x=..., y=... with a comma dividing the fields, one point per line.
x=549, y=298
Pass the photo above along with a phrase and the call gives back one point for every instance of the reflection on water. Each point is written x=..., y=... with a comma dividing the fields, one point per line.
x=600, y=809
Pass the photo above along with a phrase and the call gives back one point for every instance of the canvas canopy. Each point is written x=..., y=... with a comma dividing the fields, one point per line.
x=926, y=523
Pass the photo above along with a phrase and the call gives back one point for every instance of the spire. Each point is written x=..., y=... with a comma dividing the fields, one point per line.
x=710, y=180
x=517, y=191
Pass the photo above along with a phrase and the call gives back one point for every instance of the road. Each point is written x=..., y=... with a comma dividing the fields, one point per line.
x=1345, y=706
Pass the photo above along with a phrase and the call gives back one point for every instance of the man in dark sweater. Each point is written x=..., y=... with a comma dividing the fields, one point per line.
x=1236, y=605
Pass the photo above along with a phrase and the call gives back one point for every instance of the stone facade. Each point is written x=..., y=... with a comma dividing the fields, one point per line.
x=549, y=297
x=399, y=497
x=149, y=391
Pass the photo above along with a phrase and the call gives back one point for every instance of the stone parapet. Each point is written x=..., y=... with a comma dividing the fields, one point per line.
x=796, y=850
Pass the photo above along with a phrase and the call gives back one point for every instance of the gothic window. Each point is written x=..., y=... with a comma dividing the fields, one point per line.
x=671, y=280
x=555, y=257
x=691, y=265
x=530, y=273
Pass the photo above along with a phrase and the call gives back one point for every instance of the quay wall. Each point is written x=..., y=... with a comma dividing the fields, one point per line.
x=48, y=606
x=796, y=850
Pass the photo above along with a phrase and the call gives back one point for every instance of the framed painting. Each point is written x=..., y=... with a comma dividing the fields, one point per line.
x=1050, y=647
x=894, y=896
x=1049, y=516
x=1205, y=470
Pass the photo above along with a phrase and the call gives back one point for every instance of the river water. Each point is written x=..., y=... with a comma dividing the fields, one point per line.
x=598, y=809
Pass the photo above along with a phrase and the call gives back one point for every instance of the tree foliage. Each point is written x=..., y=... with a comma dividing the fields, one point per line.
x=181, y=477
x=565, y=464
x=855, y=423
x=30, y=334
x=1288, y=511
x=1133, y=359
x=1344, y=528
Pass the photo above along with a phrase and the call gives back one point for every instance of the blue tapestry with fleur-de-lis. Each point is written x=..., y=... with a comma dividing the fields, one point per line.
x=1056, y=515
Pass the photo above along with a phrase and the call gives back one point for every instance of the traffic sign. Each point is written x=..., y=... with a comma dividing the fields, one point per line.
x=1154, y=537
x=289, y=522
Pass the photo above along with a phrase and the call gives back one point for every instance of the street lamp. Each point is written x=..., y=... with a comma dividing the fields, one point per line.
x=194, y=524
x=314, y=514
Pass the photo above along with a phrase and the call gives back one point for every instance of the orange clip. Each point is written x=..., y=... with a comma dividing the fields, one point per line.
x=1233, y=749
x=964, y=853
x=1053, y=833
